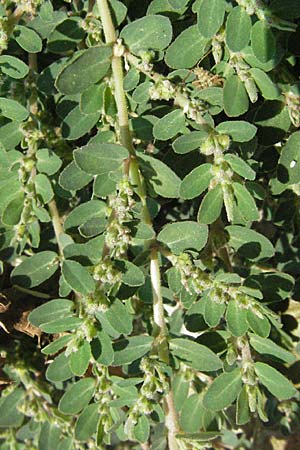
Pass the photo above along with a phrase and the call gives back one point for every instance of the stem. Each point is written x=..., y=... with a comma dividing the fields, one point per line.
x=56, y=222
x=160, y=327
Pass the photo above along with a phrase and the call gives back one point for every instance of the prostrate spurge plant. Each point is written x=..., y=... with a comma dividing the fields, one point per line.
x=149, y=231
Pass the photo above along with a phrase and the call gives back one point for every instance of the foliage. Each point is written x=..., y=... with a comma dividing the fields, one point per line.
x=149, y=223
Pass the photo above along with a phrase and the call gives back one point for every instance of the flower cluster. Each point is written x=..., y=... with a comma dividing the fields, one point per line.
x=292, y=101
x=155, y=384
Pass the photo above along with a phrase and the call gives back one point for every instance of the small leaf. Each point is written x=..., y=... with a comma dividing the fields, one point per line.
x=245, y=202
x=238, y=29
x=9, y=414
x=59, y=369
x=82, y=213
x=77, y=396
x=211, y=206
x=86, y=69
x=268, y=347
x=196, y=182
x=13, y=110
x=240, y=167
x=223, y=391
x=195, y=355
x=239, y=130
x=98, y=159
x=169, y=125
x=102, y=348
x=56, y=345
x=132, y=275
x=13, y=67
x=12, y=213
x=249, y=243
x=119, y=317
x=28, y=39
x=131, y=349
x=242, y=407
x=210, y=17
x=150, y=32
x=263, y=42
x=161, y=178
x=86, y=424
x=36, y=269
x=235, y=97
x=187, y=49
x=51, y=310
x=43, y=187
x=189, y=142
x=78, y=277
x=268, y=89
x=47, y=161
x=274, y=381
x=181, y=236
x=194, y=416
x=259, y=325
x=236, y=318
x=79, y=360
x=72, y=178
x=61, y=325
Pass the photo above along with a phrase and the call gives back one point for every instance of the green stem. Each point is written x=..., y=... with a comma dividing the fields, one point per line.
x=132, y=167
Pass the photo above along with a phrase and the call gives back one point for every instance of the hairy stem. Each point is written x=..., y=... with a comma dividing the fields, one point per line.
x=160, y=327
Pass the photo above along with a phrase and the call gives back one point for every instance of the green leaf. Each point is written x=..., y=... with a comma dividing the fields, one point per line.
x=242, y=407
x=169, y=125
x=223, y=391
x=119, y=317
x=238, y=29
x=78, y=277
x=57, y=345
x=150, y=32
x=98, y=159
x=86, y=424
x=131, y=349
x=189, y=142
x=89, y=67
x=194, y=416
x=196, y=182
x=79, y=360
x=59, y=369
x=235, y=97
x=259, y=325
x=274, y=381
x=102, y=349
x=50, y=311
x=92, y=99
x=240, y=167
x=12, y=109
x=249, y=243
x=9, y=414
x=43, y=187
x=211, y=206
x=273, y=121
x=28, y=39
x=77, y=396
x=61, y=325
x=268, y=347
x=72, y=178
x=181, y=236
x=239, y=130
x=195, y=355
x=210, y=17
x=76, y=124
x=141, y=429
x=47, y=161
x=245, y=201
x=268, y=89
x=289, y=162
x=88, y=253
x=13, y=67
x=213, y=311
x=82, y=213
x=263, y=42
x=12, y=213
x=36, y=269
x=161, y=178
x=49, y=436
x=65, y=35
x=132, y=275
x=187, y=49
x=236, y=318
